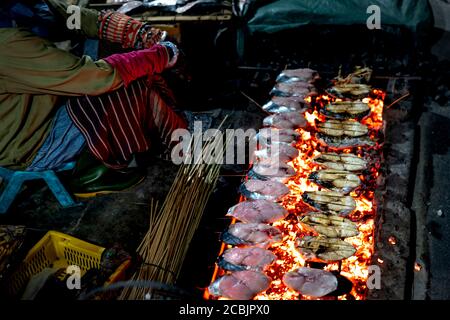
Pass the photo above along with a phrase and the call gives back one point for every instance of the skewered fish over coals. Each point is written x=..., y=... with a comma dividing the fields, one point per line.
x=265, y=190
x=272, y=170
x=282, y=152
x=286, y=104
x=330, y=225
x=325, y=249
x=346, y=110
x=343, y=134
x=293, y=89
x=296, y=75
x=288, y=120
x=258, y=211
x=311, y=282
x=337, y=128
x=268, y=136
x=336, y=180
x=240, y=285
x=353, y=90
x=330, y=201
x=248, y=258
x=251, y=234
x=343, y=161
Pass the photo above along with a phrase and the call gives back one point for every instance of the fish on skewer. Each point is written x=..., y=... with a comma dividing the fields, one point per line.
x=329, y=225
x=338, y=128
x=247, y=258
x=272, y=170
x=311, y=282
x=288, y=120
x=343, y=134
x=266, y=190
x=343, y=161
x=346, y=110
x=293, y=89
x=282, y=152
x=336, y=180
x=258, y=211
x=321, y=248
x=240, y=285
x=251, y=234
x=298, y=75
x=268, y=136
x=351, y=90
x=286, y=104
x=330, y=201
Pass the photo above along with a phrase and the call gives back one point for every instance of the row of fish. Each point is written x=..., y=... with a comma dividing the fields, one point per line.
x=251, y=237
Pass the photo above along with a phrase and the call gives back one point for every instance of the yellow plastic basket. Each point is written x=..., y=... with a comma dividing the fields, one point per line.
x=56, y=250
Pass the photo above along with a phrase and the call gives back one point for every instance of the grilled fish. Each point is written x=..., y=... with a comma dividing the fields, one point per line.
x=293, y=89
x=330, y=225
x=354, y=90
x=251, y=234
x=258, y=211
x=282, y=152
x=337, y=128
x=240, y=285
x=268, y=136
x=330, y=201
x=344, y=141
x=248, y=258
x=285, y=104
x=311, y=282
x=343, y=161
x=266, y=190
x=336, y=180
x=296, y=75
x=326, y=249
x=346, y=110
x=278, y=171
x=288, y=120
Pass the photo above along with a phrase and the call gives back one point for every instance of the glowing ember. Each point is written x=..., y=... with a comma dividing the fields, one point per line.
x=417, y=267
x=289, y=258
x=392, y=240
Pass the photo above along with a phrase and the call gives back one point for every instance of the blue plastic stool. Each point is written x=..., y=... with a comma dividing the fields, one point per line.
x=15, y=179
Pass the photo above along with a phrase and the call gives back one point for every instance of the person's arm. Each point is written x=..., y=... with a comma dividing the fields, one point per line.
x=29, y=64
x=110, y=26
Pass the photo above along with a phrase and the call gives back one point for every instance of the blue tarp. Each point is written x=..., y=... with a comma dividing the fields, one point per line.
x=274, y=16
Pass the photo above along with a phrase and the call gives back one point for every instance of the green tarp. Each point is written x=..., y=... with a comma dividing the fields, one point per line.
x=274, y=16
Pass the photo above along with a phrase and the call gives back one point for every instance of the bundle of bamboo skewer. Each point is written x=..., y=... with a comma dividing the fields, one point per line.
x=172, y=226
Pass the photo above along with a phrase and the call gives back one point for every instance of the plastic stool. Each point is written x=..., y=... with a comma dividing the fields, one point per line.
x=15, y=179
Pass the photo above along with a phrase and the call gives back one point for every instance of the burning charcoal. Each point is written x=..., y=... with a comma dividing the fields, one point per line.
x=266, y=190
x=352, y=90
x=249, y=258
x=240, y=285
x=346, y=110
x=252, y=234
x=343, y=161
x=330, y=201
x=326, y=249
x=298, y=75
x=282, y=152
x=285, y=104
x=336, y=180
x=330, y=225
x=294, y=89
x=258, y=211
x=288, y=120
x=311, y=282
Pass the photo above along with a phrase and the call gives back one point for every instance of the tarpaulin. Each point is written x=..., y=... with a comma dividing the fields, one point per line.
x=278, y=15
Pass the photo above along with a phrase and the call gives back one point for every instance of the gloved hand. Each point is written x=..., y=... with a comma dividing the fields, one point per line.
x=149, y=36
x=173, y=51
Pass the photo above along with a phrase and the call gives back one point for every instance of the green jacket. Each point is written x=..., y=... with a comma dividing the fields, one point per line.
x=34, y=75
